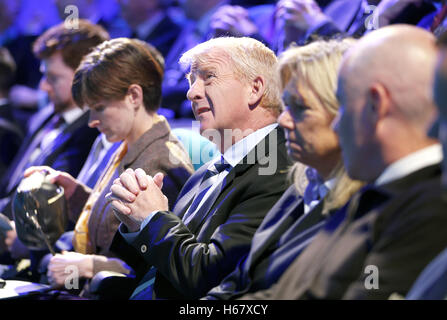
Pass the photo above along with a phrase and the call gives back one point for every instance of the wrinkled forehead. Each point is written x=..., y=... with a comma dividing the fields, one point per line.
x=212, y=58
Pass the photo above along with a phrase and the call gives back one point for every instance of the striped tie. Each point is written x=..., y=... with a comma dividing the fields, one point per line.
x=209, y=179
x=144, y=290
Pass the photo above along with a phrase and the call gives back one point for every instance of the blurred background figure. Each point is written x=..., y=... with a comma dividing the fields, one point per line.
x=58, y=135
x=301, y=20
x=148, y=21
x=11, y=135
x=21, y=23
x=106, y=13
x=195, y=28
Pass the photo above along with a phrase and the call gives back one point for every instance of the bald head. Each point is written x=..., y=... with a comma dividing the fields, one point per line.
x=401, y=57
x=385, y=89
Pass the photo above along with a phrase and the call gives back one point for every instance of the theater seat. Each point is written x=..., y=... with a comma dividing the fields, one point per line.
x=107, y=285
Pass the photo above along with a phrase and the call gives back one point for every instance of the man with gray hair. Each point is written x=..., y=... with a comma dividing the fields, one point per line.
x=234, y=93
x=379, y=242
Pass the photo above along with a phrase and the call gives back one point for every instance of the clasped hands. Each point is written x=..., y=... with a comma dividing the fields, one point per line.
x=134, y=195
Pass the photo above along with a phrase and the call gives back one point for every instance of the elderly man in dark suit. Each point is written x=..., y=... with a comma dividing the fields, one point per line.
x=378, y=243
x=235, y=95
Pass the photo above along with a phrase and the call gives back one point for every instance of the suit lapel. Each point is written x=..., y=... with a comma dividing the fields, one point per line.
x=255, y=156
x=61, y=139
x=263, y=237
x=188, y=191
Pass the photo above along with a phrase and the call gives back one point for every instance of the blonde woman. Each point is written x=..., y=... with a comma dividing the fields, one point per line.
x=308, y=77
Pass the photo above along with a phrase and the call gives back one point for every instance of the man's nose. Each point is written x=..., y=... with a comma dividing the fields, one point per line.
x=44, y=85
x=196, y=90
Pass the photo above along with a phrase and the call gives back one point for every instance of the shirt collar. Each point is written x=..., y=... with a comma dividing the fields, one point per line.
x=240, y=149
x=411, y=163
x=328, y=185
x=72, y=115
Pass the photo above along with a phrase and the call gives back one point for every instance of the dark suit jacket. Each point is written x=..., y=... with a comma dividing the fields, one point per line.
x=163, y=35
x=282, y=236
x=191, y=259
x=389, y=232
x=432, y=282
x=67, y=153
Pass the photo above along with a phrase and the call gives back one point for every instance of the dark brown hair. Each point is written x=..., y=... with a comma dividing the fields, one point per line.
x=108, y=71
x=74, y=44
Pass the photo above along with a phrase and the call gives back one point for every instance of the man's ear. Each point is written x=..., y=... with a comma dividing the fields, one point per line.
x=257, y=90
x=135, y=94
x=379, y=101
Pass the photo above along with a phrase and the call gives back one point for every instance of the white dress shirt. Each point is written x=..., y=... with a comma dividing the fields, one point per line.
x=232, y=155
x=411, y=163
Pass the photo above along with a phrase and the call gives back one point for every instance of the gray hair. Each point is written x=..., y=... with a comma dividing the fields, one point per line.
x=250, y=59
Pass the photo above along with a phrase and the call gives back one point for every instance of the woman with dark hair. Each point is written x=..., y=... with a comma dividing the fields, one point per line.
x=120, y=82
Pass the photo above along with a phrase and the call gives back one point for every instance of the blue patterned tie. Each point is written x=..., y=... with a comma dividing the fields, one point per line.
x=145, y=290
x=208, y=180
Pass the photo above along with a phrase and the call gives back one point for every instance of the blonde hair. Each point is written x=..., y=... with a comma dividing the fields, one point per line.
x=250, y=59
x=316, y=66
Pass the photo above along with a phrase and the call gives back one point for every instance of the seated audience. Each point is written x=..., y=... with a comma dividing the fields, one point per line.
x=308, y=77
x=380, y=241
x=58, y=135
x=234, y=93
x=120, y=82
